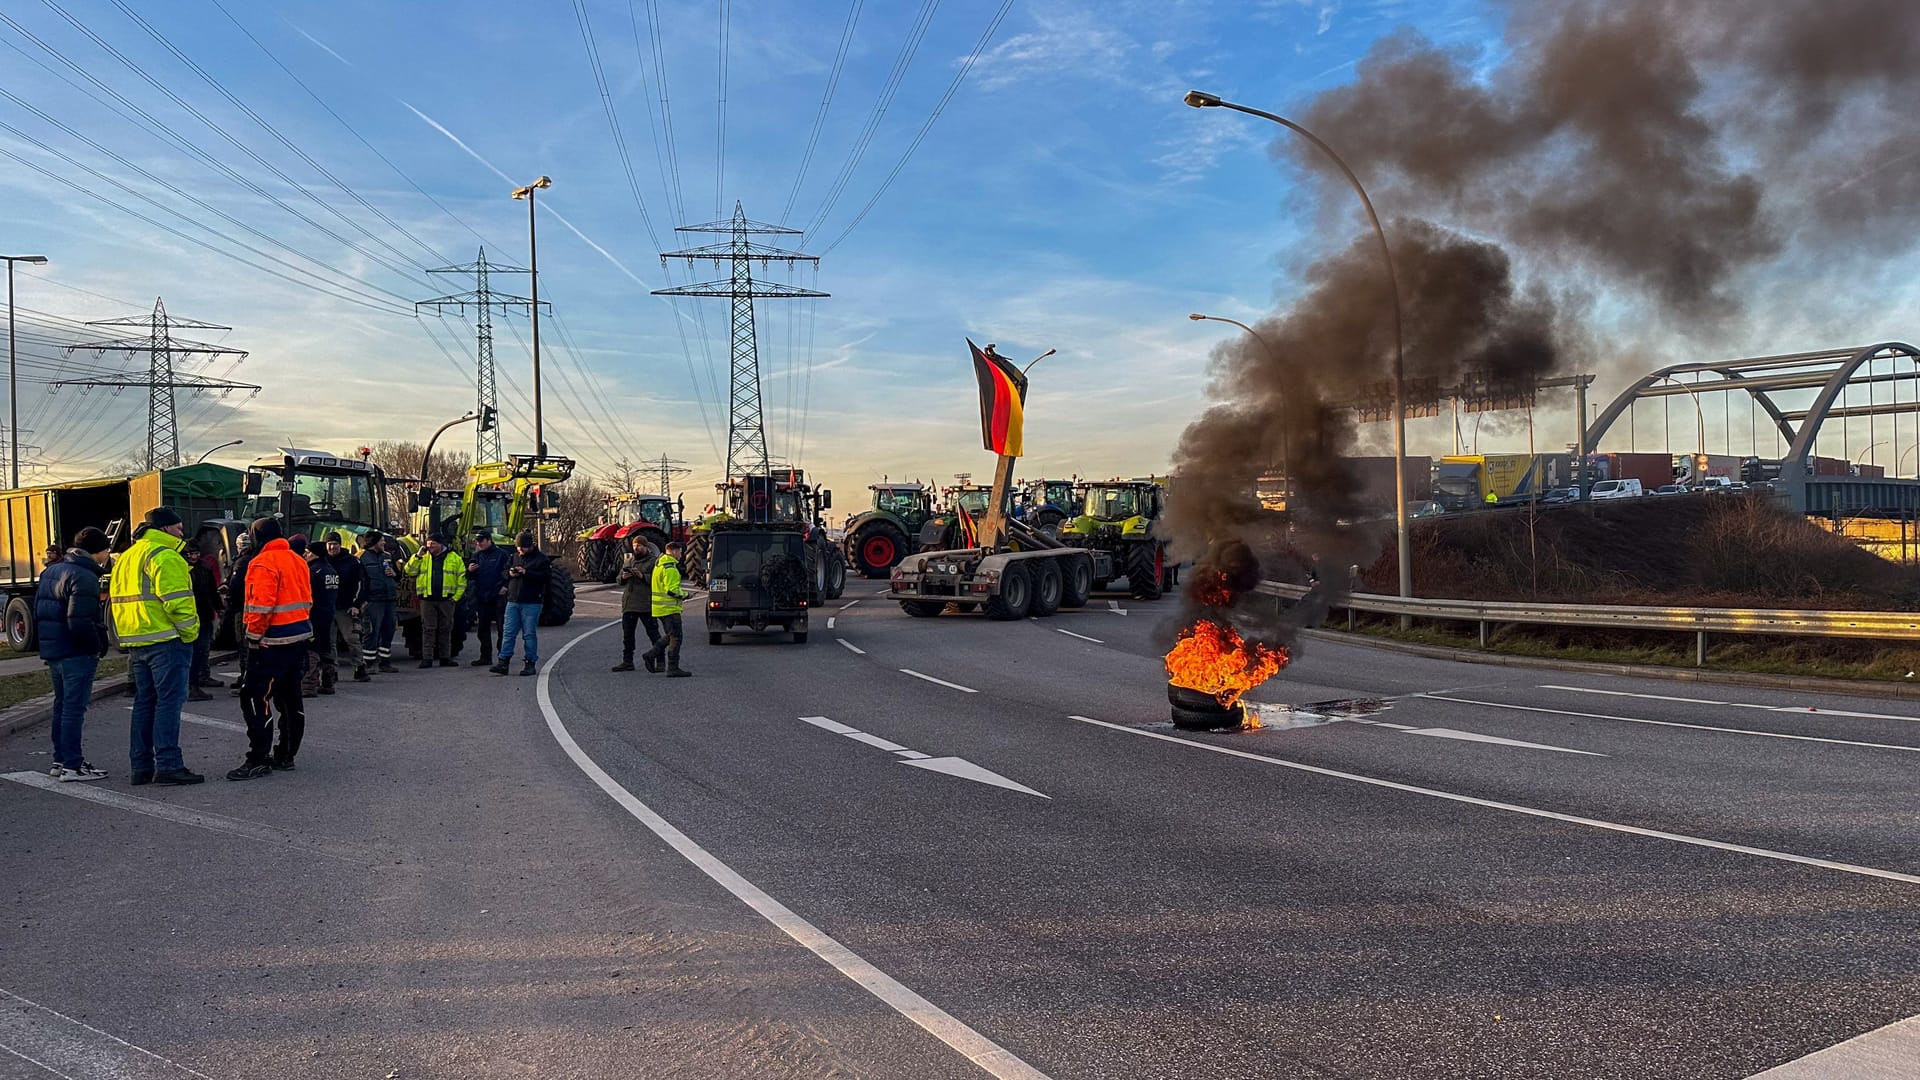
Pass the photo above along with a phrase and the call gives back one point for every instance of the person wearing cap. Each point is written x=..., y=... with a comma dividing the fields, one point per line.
x=487, y=584
x=322, y=670
x=279, y=622
x=155, y=621
x=528, y=572
x=439, y=580
x=73, y=638
x=352, y=602
x=380, y=613
x=52, y=555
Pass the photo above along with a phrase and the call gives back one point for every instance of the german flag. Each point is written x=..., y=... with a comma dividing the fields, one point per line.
x=1003, y=396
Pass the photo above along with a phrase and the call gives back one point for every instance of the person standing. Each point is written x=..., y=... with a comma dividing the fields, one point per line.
x=487, y=582
x=67, y=617
x=279, y=621
x=352, y=602
x=206, y=604
x=668, y=599
x=51, y=556
x=156, y=622
x=636, y=604
x=528, y=572
x=439, y=580
x=236, y=595
x=379, y=615
x=322, y=669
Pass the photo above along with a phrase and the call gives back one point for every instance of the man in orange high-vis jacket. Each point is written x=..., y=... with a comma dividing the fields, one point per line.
x=278, y=625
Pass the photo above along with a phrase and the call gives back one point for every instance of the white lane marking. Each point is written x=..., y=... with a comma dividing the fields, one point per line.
x=96, y=1053
x=1573, y=819
x=834, y=726
x=995, y=1059
x=851, y=647
x=883, y=592
x=942, y=682
x=1472, y=736
x=215, y=722
x=1674, y=723
x=1114, y=606
x=910, y=754
x=967, y=770
x=848, y=604
x=1082, y=637
x=830, y=619
x=873, y=740
x=1886, y=1053
x=1396, y=727
x=1809, y=710
x=220, y=823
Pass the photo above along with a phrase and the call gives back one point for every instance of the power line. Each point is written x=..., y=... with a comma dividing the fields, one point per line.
x=613, y=118
x=720, y=139
x=826, y=100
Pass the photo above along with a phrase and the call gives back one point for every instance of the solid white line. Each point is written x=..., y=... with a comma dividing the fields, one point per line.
x=851, y=647
x=997, y=1060
x=942, y=682
x=107, y=1067
x=848, y=604
x=1809, y=710
x=875, y=741
x=834, y=726
x=220, y=823
x=1674, y=723
x=1573, y=819
x=1082, y=637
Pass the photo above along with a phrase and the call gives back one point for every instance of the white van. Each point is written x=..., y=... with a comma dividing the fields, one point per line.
x=1617, y=489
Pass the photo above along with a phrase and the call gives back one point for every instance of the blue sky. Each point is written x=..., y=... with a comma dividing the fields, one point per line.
x=1065, y=198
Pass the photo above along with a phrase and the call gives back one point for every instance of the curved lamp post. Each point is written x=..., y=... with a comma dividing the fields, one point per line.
x=1201, y=100
x=222, y=446
x=1265, y=344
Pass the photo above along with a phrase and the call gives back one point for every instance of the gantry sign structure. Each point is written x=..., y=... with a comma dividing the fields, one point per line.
x=1831, y=374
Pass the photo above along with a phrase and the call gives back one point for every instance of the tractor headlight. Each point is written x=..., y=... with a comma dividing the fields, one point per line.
x=718, y=584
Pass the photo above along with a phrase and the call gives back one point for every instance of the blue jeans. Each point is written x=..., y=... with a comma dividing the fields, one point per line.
x=159, y=691
x=521, y=618
x=72, y=690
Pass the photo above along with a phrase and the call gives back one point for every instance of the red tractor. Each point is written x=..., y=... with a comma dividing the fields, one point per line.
x=604, y=546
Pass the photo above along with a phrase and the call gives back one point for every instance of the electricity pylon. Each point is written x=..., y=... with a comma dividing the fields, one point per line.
x=160, y=381
x=486, y=440
x=667, y=468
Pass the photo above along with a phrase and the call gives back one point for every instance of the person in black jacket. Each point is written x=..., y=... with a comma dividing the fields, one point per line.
x=236, y=586
x=383, y=597
x=528, y=573
x=206, y=602
x=73, y=638
x=487, y=586
x=322, y=669
x=352, y=601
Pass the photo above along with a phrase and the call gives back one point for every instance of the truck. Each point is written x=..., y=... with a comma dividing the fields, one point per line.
x=1467, y=481
x=50, y=515
x=1652, y=470
x=1693, y=470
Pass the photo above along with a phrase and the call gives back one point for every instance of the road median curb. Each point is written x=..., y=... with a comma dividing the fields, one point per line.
x=18, y=718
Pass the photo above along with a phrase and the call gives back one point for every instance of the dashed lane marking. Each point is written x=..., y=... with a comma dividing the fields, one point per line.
x=1512, y=808
x=851, y=647
x=830, y=619
x=1082, y=637
x=942, y=682
x=1674, y=724
x=848, y=604
x=990, y=1056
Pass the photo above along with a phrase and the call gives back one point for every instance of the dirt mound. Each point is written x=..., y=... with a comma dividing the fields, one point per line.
x=1695, y=550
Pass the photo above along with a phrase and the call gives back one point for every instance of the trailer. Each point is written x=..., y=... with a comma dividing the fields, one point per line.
x=1467, y=481
x=50, y=515
x=1652, y=470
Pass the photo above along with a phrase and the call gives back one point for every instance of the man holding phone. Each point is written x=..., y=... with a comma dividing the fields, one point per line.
x=528, y=572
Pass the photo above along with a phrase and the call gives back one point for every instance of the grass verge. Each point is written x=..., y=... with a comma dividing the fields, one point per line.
x=28, y=685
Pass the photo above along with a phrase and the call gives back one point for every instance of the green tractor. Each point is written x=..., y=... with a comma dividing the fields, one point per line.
x=879, y=537
x=790, y=499
x=1117, y=517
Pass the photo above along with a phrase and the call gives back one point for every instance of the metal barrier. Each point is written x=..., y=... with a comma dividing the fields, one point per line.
x=1888, y=625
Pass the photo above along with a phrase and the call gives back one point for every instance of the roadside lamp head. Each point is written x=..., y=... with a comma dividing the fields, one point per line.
x=1200, y=99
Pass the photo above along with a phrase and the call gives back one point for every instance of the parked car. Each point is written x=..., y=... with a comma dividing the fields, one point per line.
x=1559, y=495
x=1670, y=489
x=1425, y=508
x=1617, y=489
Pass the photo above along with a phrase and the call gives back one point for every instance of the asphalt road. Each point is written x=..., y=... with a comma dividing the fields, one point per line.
x=949, y=848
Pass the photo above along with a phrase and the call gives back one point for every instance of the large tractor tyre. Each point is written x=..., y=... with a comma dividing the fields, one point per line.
x=693, y=567
x=922, y=609
x=593, y=559
x=836, y=573
x=1048, y=522
x=557, y=608
x=817, y=573
x=22, y=632
x=1143, y=573
x=1076, y=581
x=1016, y=595
x=877, y=548
x=1047, y=585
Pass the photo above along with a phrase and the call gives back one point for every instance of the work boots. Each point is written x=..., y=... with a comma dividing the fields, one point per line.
x=499, y=668
x=678, y=672
x=360, y=674
x=527, y=668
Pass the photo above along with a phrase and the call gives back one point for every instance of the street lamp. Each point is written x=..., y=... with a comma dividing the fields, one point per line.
x=1284, y=429
x=13, y=381
x=533, y=274
x=222, y=446
x=1699, y=416
x=1201, y=100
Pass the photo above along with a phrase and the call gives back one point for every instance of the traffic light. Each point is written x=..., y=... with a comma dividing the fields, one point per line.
x=489, y=417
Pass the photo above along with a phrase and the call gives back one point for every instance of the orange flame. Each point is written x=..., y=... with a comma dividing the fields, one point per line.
x=1214, y=659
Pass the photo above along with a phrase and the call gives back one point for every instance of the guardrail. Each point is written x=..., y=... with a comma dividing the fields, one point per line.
x=1886, y=625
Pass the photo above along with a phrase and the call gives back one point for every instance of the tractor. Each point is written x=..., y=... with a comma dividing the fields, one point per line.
x=1117, y=517
x=1046, y=505
x=881, y=536
x=787, y=498
x=504, y=498
x=603, y=546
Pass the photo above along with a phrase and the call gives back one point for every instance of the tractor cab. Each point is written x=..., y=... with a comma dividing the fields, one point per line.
x=1049, y=504
x=312, y=491
x=1130, y=504
x=910, y=504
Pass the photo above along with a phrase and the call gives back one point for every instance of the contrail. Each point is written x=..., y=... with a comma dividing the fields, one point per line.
x=323, y=45
x=457, y=141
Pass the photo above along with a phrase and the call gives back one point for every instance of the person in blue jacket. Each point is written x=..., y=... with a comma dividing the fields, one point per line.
x=487, y=585
x=73, y=637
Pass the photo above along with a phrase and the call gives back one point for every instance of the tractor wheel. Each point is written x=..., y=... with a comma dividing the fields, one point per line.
x=557, y=607
x=836, y=572
x=1143, y=576
x=922, y=609
x=1047, y=585
x=1076, y=581
x=877, y=548
x=694, y=566
x=1016, y=595
x=1048, y=522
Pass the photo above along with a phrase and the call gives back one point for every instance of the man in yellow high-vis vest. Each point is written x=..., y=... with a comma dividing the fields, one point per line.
x=155, y=621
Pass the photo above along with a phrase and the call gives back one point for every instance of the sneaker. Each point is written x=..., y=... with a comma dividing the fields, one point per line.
x=82, y=771
x=679, y=673
x=140, y=778
x=528, y=668
x=624, y=665
x=282, y=764
x=482, y=662
x=386, y=668
x=178, y=777
x=197, y=694
x=248, y=771
x=499, y=668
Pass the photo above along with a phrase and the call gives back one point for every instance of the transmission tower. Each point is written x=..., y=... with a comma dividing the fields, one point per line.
x=667, y=468
x=746, y=436
x=486, y=440
x=6, y=461
x=160, y=381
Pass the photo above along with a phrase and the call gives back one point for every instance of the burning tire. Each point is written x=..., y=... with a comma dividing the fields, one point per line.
x=877, y=548
x=1143, y=571
x=1016, y=594
x=1197, y=711
x=1076, y=581
x=1047, y=586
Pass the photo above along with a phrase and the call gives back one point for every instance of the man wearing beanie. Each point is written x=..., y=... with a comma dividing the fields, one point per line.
x=66, y=613
x=278, y=624
x=383, y=597
x=156, y=622
x=350, y=602
x=528, y=573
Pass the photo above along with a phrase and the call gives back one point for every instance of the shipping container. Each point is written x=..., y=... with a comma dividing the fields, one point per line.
x=1652, y=470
